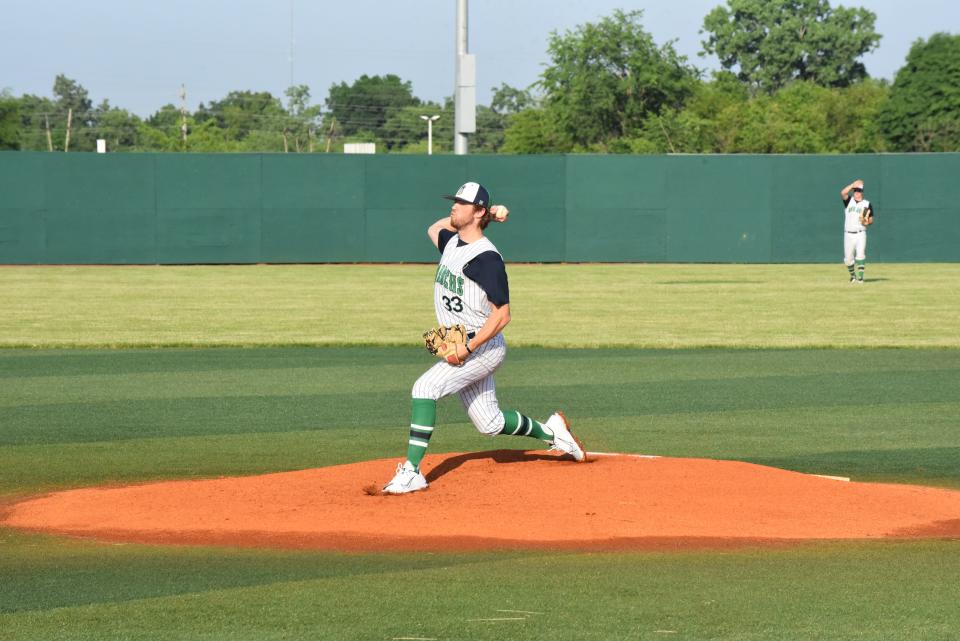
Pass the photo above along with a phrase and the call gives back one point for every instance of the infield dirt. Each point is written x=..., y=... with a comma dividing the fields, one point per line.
x=504, y=499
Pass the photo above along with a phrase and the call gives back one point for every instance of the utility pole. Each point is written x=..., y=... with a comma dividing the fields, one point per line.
x=46, y=119
x=465, y=89
x=333, y=125
x=66, y=142
x=183, y=115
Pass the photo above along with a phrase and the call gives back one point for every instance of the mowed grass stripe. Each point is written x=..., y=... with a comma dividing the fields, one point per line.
x=902, y=305
x=30, y=469
x=38, y=376
x=27, y=363
x=230, y=413
x=789, y=413
x=47, y=572
x=835, y=591
x=271, y=400
x=865, y=443
x=81, y=388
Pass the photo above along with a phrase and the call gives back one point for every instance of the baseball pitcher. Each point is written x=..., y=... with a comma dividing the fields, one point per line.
x=472, y=302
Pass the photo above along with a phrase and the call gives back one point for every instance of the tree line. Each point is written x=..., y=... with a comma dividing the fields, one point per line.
x=792, y=80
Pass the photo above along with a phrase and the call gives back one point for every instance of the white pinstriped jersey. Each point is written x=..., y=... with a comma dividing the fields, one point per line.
x=456, y=298
x=851, y=220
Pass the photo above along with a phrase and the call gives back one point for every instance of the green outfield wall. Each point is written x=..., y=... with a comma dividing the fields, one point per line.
x=129, y=208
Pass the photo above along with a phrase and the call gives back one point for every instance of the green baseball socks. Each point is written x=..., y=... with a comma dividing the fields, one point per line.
x=422, y=421
x=424, y=418
x=516, y=424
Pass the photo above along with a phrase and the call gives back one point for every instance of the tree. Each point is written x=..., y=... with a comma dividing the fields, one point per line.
x=73, y=105
x=773, y=42
x=508, y=100
x=405, y=129
x=368, y=103
x=35, y=114
x=117, y=126
x=241, y=114
x=696, y=128
x=791, y=121
x=534, y=131
x=605, y=79
x=853, y=114
x=923, y=113
x=303, y=119
x=70, y=94
x=491, y=125
x=493, y=121
x=9, y=121
x=721, y=117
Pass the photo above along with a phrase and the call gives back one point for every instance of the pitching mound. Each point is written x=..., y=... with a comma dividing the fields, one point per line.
x=502, y=499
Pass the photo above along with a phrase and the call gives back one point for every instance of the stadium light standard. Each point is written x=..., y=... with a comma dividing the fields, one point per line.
x=430, y=120
x=465, y=86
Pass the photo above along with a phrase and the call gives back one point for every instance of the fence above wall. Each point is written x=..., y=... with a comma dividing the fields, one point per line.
x=294, y=208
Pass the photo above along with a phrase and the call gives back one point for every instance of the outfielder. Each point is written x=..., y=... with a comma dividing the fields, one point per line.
x=471, y=290
x=858, y=215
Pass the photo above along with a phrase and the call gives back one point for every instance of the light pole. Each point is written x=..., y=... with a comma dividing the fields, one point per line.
x=430, y=120
x=465, y=86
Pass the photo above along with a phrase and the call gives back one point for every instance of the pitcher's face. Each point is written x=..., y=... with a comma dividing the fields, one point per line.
x=461, y=214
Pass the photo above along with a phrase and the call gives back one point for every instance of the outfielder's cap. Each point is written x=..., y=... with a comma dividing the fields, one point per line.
x=472, y=194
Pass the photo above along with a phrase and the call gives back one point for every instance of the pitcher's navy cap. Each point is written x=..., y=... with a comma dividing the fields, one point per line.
x=472, y=194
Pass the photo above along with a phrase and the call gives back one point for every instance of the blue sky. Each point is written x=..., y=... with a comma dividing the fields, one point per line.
x=137, y=53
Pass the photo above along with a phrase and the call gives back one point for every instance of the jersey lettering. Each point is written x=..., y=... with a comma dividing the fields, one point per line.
x=449, y=280
x=852, y=213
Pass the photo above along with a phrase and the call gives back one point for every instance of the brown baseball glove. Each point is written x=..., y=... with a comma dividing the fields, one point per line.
x=442, y=342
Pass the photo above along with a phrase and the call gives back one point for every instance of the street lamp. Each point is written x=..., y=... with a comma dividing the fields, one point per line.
x=430, y=120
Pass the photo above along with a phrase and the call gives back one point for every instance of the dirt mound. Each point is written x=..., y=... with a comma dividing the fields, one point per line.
x=502, y=499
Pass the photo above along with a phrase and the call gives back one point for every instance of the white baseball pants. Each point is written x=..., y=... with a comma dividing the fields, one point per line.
x=473, y=382
x=854, y=246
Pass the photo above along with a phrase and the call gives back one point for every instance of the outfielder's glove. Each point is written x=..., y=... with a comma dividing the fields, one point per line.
x=442, y=342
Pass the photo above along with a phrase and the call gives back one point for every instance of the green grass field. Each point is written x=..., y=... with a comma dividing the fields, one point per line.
x=902, y=305
x=780, y=365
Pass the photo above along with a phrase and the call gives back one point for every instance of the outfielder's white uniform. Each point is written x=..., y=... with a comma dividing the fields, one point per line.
x=458, y=299
x=854, y=233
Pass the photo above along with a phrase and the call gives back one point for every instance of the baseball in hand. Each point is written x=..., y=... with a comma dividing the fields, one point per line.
x=500, y=213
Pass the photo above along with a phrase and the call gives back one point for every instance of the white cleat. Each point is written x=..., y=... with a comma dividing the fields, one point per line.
x=563, y=439
x=405, y=480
